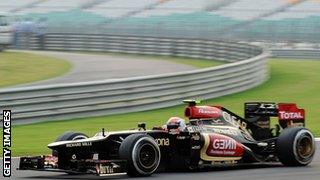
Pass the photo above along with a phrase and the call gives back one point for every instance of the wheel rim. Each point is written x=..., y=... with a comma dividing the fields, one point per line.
x=141, y=167
x=147, y=156
x=305, y=146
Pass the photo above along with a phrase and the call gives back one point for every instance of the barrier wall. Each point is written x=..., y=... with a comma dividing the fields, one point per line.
x=247, y=69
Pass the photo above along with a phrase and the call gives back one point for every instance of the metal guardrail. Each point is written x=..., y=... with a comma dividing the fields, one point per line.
x=66, y=101
x=296, y=53
x=195, y=48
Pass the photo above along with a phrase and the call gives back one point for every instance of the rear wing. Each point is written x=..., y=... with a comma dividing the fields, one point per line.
x=288, y=113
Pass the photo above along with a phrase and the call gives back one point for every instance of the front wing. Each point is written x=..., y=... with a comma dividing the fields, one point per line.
x=83, y=166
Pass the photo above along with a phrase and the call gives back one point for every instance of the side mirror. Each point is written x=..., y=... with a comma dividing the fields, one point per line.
x=142, y=126
x=191, y=102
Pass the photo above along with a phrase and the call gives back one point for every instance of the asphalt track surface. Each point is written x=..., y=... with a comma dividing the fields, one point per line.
x=252, y=172
x=93, y=67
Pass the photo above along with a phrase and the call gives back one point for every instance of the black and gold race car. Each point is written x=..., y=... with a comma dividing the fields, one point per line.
x=213, y=136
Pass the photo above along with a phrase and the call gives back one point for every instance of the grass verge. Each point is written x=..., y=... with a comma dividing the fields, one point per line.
x=19, y=67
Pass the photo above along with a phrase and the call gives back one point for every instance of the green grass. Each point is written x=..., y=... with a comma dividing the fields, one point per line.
x=290, y=81
x=18, y=68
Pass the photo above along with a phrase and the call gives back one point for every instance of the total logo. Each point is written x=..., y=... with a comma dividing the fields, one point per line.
x=224, y=144
x=290, y=115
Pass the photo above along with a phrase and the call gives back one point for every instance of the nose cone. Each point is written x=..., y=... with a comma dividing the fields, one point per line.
x=57, y=144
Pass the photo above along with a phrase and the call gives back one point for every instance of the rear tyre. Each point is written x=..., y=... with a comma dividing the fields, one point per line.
x=295, y=147
x=69, y=136
x=142, y=154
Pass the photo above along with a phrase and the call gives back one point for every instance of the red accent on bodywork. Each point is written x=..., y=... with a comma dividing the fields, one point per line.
x=198, y=112
x=290, y=111
x=224, y=146
x=50, y=158
x=50, y=161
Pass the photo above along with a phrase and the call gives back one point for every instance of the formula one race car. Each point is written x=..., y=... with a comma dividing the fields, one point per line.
x=214, y=136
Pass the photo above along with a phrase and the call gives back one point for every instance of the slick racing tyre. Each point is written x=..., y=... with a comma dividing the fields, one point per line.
x=68, y=136
x=142, y=154
x=295, y=147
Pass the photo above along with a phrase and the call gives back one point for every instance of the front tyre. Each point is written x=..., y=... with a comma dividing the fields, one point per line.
x=69, y=136
x=63, y=158
x=295, y=147
x=142, y=154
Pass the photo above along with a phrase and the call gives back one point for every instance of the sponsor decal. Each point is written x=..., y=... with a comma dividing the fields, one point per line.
x=195, y=137
x=196, y=112
x=226, y=131
x=51, y=161
x=221, y=163
x=207, y=111
x=79, y=144
x=290, y=115
x=73, y=157
x=290, y=111
x=217, y=122
x=195, y=147
x=181, y=137
x=221, y=145
x=104, y=169
x=224, y=144
x=234, y=121
x=6, y=143
x=163, y=141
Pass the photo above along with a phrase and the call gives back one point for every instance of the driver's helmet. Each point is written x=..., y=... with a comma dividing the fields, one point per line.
x=181, y=124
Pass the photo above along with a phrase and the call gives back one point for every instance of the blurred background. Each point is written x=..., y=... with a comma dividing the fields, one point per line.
x=268, y=21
